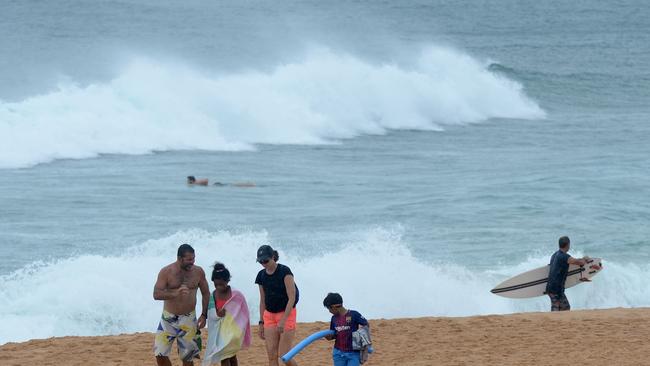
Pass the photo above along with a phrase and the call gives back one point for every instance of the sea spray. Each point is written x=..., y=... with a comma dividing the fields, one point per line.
x=374, y=270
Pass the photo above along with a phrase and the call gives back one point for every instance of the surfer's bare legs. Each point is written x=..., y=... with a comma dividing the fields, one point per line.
x=163, y=361
x=286, y=341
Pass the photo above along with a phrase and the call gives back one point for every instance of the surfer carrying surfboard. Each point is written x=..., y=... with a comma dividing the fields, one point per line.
x=559, y=268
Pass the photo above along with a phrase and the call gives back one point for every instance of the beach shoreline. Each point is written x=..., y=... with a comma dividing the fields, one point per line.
x=608, y=336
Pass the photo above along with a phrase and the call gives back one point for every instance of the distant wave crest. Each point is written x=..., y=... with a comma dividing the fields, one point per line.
x=158, y=106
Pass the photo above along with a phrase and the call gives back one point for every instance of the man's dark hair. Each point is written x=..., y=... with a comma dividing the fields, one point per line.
x=191, y=179
x=220, y=272
x=184, y=248
x=564, y=241
x=332, y=299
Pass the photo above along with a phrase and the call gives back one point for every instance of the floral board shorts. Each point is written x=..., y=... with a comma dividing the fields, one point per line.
x=181, y=328
x=559, y=302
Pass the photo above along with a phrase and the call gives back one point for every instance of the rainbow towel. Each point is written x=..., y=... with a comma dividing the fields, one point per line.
x=227, y=335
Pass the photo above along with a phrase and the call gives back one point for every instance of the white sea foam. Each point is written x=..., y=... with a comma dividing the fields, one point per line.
x=157, y=106
x=374, y=271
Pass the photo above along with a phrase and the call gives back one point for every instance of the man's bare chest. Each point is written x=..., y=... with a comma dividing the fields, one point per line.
x=189, y=279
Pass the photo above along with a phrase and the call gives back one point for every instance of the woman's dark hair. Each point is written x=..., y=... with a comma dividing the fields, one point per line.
x=265, y=253
x=191, y=179
x=220, y=272
x=332, y=299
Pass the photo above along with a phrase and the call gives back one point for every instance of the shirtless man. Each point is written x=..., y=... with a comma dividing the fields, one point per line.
x=176, y=285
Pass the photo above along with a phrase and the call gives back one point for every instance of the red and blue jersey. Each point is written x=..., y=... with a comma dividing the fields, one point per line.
x=344, y=325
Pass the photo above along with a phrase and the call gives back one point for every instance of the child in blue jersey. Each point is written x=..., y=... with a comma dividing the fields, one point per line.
x=344, y=322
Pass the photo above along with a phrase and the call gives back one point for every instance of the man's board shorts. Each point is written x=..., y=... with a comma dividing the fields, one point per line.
x=272, y=319
x=182, y=328
x=559, y=302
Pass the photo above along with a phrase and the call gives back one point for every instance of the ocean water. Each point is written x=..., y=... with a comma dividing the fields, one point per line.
x=408, y=155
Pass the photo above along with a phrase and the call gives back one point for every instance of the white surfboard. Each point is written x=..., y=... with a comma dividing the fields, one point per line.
x=533, y=283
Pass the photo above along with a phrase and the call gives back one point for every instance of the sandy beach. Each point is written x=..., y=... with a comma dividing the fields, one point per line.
x=604, y=337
